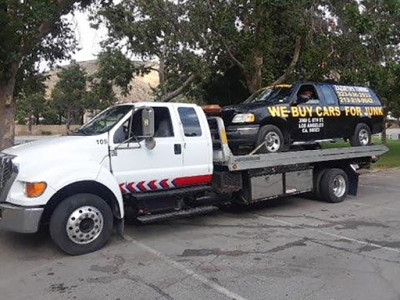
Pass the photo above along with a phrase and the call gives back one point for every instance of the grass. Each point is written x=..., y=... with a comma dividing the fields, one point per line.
x=390, y=159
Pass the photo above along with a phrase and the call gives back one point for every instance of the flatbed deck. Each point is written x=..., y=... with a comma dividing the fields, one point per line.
x=248, y=162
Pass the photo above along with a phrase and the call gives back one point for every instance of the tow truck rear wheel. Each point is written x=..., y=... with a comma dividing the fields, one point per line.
x=334, y=185
x=81, y=224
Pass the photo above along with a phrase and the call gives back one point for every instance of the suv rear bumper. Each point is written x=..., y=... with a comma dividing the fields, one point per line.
x=20, y=219
x=242, y=134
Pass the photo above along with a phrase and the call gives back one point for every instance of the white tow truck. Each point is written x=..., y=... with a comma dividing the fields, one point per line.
x=160, y=160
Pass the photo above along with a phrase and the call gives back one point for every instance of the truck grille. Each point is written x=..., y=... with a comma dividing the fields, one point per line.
x=6, y=170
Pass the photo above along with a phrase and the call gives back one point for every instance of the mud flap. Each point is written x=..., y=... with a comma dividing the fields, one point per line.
x=120, y=226
x=353, y=180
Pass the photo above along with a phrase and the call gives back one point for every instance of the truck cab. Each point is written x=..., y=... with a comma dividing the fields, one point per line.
x=126, y=150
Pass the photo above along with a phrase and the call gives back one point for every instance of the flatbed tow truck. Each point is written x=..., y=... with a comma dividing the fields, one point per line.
x=80, y=185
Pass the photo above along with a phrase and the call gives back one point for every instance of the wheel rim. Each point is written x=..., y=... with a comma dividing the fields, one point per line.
x=339, y=186
x=272, y=142
x=363, y=137
x=84, y=225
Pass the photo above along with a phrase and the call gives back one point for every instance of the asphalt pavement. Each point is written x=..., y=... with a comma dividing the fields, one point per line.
x=292, y=248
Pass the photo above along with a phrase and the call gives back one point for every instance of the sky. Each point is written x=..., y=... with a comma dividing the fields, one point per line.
x=88, y=38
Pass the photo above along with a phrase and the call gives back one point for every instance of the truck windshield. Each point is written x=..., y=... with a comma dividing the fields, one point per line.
x=105, y=120
x=278, y=93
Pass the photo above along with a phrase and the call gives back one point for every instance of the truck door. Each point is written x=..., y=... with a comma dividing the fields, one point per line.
x=197, y=150
x=139, y=169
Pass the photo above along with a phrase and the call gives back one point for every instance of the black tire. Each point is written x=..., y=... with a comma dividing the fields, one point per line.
x=361, y=136
x=334, y=185
x=318, y=174
x=276, y=133
x=61, y=215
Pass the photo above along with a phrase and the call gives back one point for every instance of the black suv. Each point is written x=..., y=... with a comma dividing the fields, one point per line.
x=274, y=118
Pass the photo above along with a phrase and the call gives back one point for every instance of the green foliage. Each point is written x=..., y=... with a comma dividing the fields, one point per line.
x=114, y=69
x=152, y=30
x=30, y=32
x=31, y=102
x=69, y=94
x=31, y=105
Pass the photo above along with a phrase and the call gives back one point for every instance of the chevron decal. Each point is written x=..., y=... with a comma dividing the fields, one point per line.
x=164, y=184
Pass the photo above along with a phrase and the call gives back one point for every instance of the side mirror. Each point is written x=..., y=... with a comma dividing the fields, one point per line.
x=148, y=122
x=148, y=127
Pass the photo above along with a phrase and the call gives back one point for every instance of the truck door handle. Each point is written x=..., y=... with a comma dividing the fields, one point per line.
x=178, y=149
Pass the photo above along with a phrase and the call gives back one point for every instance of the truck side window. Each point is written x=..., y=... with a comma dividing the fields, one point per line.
x=162, y=125
x=162, y=122
x=122, y=133
x=329, y=94
x=190, y=121
x=310, y=92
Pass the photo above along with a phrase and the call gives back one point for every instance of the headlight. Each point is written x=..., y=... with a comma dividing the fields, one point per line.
x=243, y=118
x=35, y=189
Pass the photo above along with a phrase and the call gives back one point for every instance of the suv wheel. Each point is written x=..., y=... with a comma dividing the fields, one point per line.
x=272, y=139
x=362, y=135
x=81, y=224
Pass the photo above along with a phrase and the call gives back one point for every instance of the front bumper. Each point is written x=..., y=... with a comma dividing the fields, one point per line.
x=242, y=134
x=20, y=219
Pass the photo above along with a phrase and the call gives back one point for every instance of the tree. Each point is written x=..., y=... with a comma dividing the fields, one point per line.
x=30, y=31
x=114, y=69
x=69, y=93
x=263, y=39
x=155, y=30
x=30, y=98
x=267, y=42
x=192, y=40
x=31, y=106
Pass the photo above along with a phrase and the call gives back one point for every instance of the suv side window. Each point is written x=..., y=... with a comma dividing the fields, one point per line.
x=311, y=92
x=190, y=121
x=329, y=94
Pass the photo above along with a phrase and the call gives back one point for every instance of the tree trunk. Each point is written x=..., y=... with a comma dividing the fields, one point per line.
x=7, y=109
x=30, y=123
x=161, y=70
x=7, y=124
x=171, y=95
x=68, y=121
x=295, y=59
x=383, y=135
x=254, y=80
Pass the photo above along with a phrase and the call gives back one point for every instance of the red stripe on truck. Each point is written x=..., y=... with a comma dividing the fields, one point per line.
x=165, y=184
x=193, y=180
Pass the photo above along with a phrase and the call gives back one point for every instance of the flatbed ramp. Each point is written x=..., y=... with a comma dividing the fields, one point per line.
x=248, y=162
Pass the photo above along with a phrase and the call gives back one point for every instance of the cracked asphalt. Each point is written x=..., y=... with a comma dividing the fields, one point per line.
x=292, y=248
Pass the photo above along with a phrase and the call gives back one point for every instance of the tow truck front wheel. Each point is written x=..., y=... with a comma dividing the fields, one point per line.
x=81, y=224
x=334, y=185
